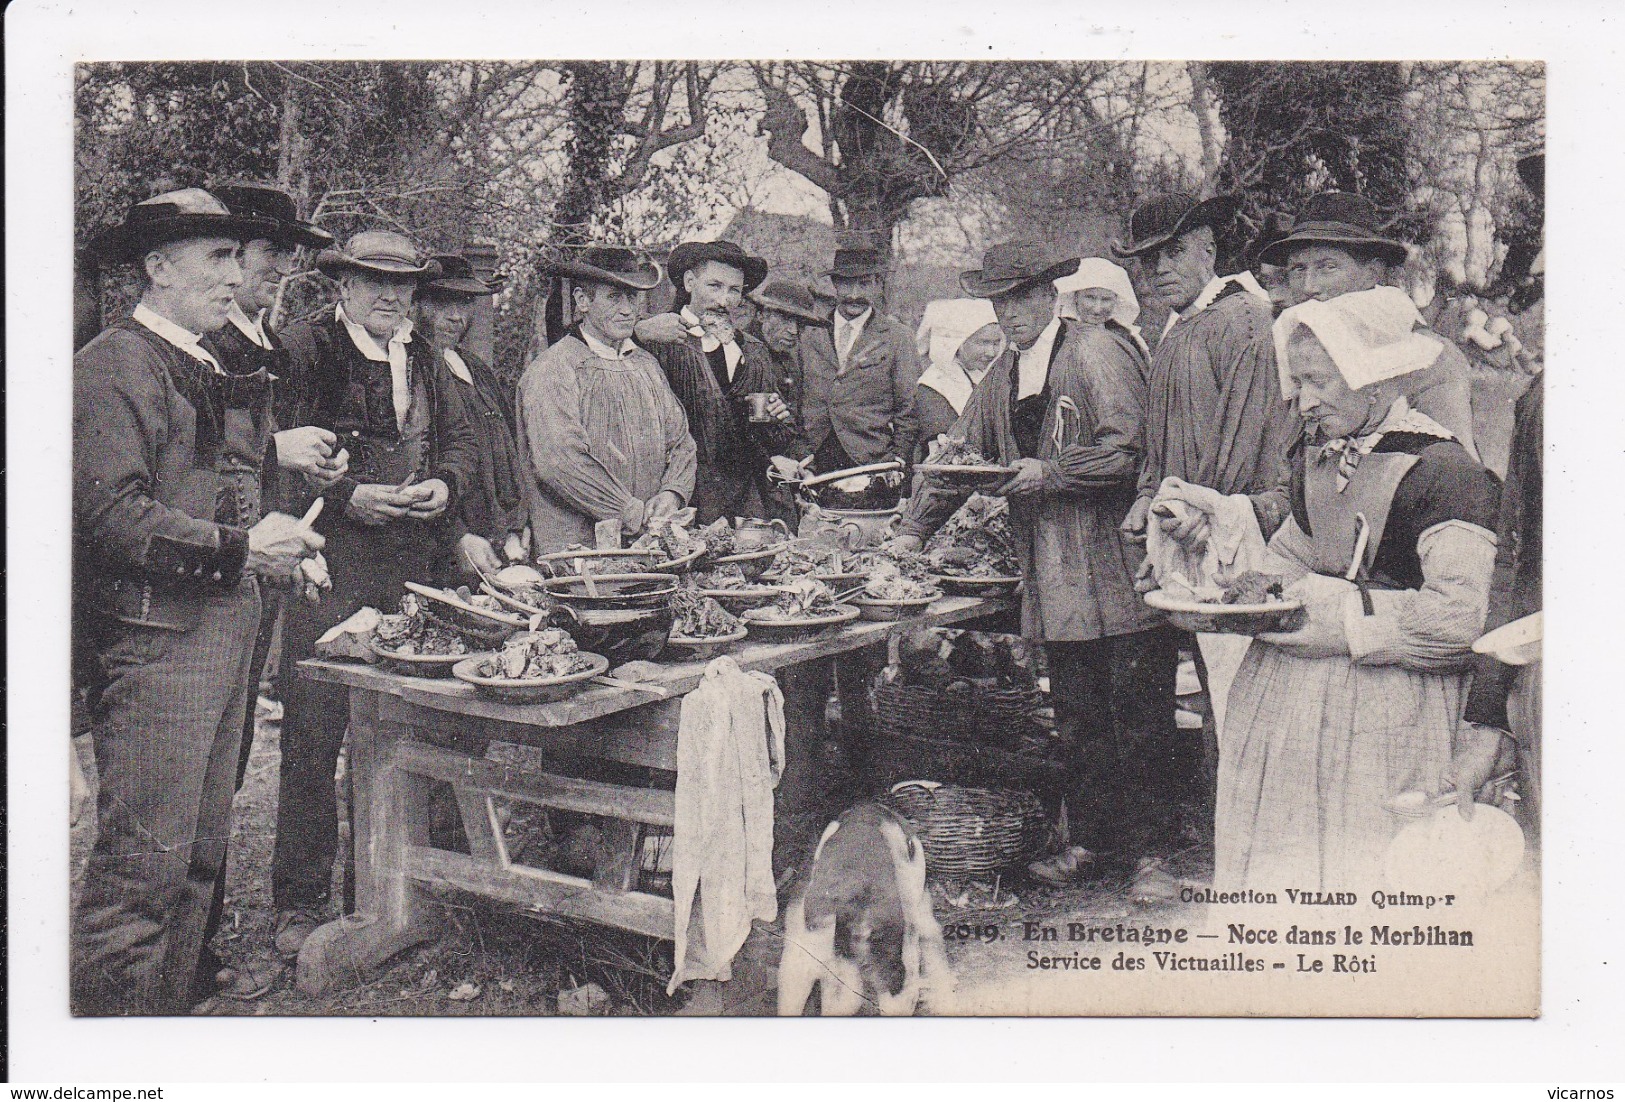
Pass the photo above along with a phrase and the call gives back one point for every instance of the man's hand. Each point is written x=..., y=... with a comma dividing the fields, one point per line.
x=307, y=450
x=278, y=542
x=667, y=328
x=428, y=499
x=376, y=504
x=1028, y=479
x=1478, y=751
x=1133, y=526
x=1180, y=522
x=779, y=410
x=476, y=555
x=661, y=506
x=901, y=544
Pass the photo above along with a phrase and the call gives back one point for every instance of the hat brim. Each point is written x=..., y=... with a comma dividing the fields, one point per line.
x=1387, y=250
x=754, y=268
x=862, y=271
x=806, y=317
x=331, y=262
x=587, y=273
x=125, y=242
x=1217, y=211
x=464, y=286
x=300, y=235
x=975, y=286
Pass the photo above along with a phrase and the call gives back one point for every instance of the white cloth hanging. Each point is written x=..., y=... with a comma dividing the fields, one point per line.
x=730, y=754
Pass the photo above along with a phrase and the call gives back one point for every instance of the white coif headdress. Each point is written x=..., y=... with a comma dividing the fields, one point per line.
x=1370, y=335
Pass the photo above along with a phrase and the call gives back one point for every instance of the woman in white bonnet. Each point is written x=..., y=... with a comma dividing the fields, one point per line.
x=960, y=338
x=1328, y=723
x=1100, y=293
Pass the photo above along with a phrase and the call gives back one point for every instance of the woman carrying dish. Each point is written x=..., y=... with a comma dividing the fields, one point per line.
x=1390, y=546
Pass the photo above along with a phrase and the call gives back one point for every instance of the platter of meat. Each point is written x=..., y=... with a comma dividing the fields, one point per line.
x=703, y=626
x=532, y=666
x=956, y=462
x=890, y=594
x=806, y=607
x=408, y=642
x=1248, y=604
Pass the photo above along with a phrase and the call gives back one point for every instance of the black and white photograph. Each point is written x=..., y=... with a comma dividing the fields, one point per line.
x=653, y=536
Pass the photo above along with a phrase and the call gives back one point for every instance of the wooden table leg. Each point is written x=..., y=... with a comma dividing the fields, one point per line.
x=391, y=813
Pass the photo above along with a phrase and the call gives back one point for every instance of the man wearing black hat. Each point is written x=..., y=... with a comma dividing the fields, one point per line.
x=712, y=369
x=1064, y=407
x=602, y=434
x=490, y=517
x=169, y=539
x=1215, y=415
x=859, y=406
x=1336, y=246
x=359, y=373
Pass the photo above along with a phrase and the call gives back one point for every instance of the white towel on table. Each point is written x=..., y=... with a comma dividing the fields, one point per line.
x=730, y=754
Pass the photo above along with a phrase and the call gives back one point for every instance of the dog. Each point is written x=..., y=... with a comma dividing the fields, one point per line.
x=862, y=929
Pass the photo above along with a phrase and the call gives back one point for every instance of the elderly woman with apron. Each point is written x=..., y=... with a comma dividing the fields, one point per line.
x=1390, y=545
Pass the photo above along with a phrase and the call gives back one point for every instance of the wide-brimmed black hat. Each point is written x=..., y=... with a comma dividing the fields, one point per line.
x=790, y=297
x=383, y=252
x=612, y=264
x=264, y=201
x=1013, y=266
x=174, y=216
x=457, y=277
x=1159, y=220
x=691, y=254
x=1337, y=218
x=858, y=262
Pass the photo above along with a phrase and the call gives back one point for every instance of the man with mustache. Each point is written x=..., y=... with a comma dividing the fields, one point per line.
x=712, y=366
x=169, y=543
x=359, y=372
x=859, y=405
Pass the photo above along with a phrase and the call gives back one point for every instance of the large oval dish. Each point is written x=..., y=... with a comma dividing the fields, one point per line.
x=1227, y=619
x=527, y=690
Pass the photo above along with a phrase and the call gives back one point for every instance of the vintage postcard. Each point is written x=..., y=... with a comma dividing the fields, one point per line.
x=1067, y=537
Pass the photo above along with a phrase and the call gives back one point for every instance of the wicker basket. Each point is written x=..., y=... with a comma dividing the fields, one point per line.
x=970, y=831
x=894, y=757
x=998, y=718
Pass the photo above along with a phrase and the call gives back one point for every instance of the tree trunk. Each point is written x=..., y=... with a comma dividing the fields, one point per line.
x=1202, y=108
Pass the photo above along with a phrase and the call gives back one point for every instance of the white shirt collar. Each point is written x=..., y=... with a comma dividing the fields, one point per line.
x=604, y=351
x=252, y=328
x=708, y=344
x=457, y=366
x=177, y=335
x=1210, y=294
x=1032, y=364
x=368, y=344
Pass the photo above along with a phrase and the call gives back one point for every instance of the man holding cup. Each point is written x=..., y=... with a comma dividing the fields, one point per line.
x=724, y=380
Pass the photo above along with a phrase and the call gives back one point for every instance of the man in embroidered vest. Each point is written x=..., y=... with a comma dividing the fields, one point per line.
x=359, y=372
x=1065, y=406
x=168, y=541
x=602, y=434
